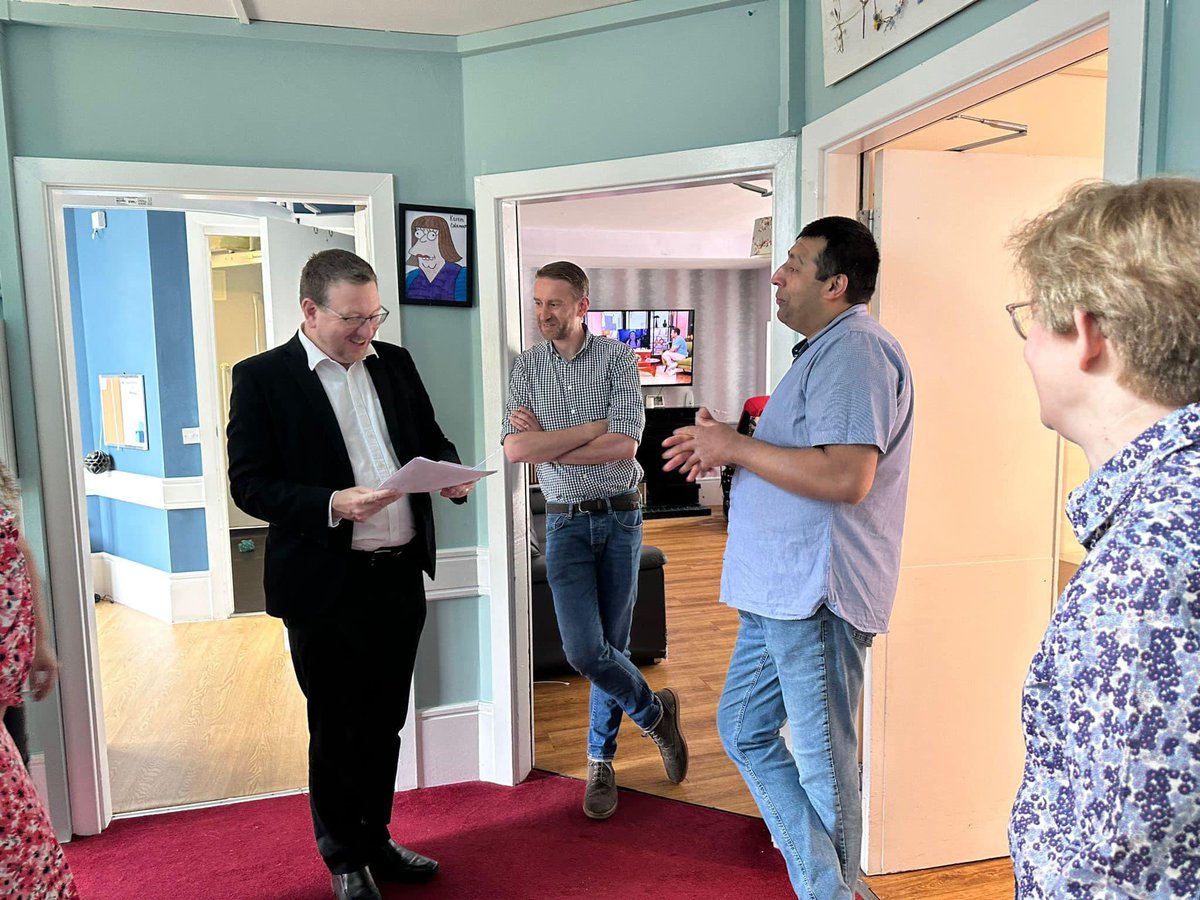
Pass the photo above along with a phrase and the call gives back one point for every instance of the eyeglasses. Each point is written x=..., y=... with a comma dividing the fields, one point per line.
x=357, y=322
x=1022, y=317
x=425, y=234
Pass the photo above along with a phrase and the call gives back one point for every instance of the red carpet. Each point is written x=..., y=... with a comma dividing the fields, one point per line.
x=527, y=843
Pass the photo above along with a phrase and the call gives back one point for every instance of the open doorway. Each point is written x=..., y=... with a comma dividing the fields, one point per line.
x=674, y=261
x=509, y=743
x=983, y=551
x=932, y=683
x=46, y=190
x=199, y=702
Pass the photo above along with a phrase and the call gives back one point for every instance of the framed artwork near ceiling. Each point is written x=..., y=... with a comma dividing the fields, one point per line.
x=858, y=32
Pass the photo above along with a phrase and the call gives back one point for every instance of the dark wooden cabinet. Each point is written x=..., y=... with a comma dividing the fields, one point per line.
x=667, y=493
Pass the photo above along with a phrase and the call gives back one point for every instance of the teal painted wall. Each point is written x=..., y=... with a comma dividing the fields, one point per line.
x=1180, y=124
x=83, y=93
x=698, y=80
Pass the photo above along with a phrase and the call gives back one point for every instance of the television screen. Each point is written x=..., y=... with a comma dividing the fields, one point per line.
x=662, y=339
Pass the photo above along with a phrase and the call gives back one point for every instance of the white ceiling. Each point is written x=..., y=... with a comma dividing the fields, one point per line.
x=448, y=17
x=709, y=208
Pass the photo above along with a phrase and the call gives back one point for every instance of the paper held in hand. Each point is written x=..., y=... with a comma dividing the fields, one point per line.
x=421, y=476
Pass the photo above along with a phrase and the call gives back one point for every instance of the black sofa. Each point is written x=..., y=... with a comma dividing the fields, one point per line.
x=648, y=637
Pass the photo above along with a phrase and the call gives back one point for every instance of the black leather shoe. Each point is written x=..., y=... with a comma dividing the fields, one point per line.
x=396, y=863
x=356, y=885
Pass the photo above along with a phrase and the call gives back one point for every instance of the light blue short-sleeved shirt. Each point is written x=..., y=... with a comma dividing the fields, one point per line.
x=788, y=555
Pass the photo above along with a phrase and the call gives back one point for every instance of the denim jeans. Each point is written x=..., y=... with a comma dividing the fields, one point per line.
x=592, y=564
x=809, y=673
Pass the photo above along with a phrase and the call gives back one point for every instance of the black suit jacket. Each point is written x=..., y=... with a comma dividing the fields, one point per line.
x=287, y=457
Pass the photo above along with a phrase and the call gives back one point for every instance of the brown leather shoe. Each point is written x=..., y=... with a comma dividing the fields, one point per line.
x=668, y=734
x=399, y=864
x=356, y=885
x=600, y=795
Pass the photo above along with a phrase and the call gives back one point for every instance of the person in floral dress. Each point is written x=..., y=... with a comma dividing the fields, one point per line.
x=1109, y=805
x=32, y=865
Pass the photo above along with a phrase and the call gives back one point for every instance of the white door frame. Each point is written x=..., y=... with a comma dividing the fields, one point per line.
x=209, y=392
x=56, y=404
x=508, y=756
x=1042, y=37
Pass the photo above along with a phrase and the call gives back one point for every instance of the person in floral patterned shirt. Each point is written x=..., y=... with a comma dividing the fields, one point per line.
x=32, y=865
x=1109, y=805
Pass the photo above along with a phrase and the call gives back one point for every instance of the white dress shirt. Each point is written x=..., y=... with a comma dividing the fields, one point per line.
x=352, y=395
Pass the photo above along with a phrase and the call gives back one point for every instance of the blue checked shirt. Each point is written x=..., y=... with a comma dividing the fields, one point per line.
x=1109, y=805
x=788, y=555
x=601, y=382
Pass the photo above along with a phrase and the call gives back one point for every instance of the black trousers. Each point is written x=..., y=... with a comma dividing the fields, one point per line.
x=355, y=665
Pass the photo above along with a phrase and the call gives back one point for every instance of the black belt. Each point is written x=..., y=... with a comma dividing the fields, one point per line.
x=629, y=501
x=383, y=553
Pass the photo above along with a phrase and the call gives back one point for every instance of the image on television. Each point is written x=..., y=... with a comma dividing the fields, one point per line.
x=662, y=339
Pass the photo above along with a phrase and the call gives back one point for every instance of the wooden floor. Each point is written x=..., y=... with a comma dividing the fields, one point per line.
x=198, y=712
x=701, y=634
x=700, y=638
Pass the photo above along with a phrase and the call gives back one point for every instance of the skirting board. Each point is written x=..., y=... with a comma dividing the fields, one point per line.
x=455, y=743
x=170, y=597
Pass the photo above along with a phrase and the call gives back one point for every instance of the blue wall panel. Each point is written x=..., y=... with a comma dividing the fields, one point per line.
x=173, y=341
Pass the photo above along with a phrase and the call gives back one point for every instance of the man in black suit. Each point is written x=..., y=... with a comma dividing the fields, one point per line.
x=314, y=425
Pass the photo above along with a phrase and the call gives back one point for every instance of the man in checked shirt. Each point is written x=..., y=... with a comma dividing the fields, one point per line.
x=575, y=410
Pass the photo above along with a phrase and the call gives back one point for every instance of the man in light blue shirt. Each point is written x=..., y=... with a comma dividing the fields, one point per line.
x=813, y=557
x=677, y=351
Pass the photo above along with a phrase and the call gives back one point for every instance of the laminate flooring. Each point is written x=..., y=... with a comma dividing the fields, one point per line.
x=199, y=711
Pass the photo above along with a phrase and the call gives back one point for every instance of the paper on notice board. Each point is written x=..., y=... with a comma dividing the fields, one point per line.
x=421, y=475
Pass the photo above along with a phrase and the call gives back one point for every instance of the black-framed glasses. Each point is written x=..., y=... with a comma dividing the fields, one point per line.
x=1022, y=316
x=357, y=322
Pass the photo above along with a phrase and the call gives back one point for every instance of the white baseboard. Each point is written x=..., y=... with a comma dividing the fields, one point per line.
x=461, y=572
x=453, y=741
x=170, y=597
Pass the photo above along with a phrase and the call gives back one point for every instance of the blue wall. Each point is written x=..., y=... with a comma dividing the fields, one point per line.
x=131, y=314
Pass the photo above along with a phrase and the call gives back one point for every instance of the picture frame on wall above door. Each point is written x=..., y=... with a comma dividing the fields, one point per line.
x=437, y=244
x=858, y=32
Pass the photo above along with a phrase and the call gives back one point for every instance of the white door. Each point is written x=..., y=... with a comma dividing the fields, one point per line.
x=286, y=247
x=943, y=746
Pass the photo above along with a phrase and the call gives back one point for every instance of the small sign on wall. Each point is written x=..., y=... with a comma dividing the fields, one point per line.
x=123, y=406
x=858, y=32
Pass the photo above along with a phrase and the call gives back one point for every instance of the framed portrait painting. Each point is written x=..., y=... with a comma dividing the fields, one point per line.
x=437, y=244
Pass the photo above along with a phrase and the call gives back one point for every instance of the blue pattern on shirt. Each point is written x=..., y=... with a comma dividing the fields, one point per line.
x=1110, y=801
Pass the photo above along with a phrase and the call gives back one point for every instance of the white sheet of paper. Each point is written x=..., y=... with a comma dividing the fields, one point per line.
x=421, y=475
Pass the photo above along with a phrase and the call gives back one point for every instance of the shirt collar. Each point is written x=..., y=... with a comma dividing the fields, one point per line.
x=1092, y=505
x=587, y=342
x=858, y=309
x=315, y=354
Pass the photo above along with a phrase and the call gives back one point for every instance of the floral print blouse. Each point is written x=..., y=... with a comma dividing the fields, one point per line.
x=1109, y=805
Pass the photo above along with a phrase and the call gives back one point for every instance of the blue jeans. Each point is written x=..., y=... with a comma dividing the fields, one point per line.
x=592, y=564
x=809, y=673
